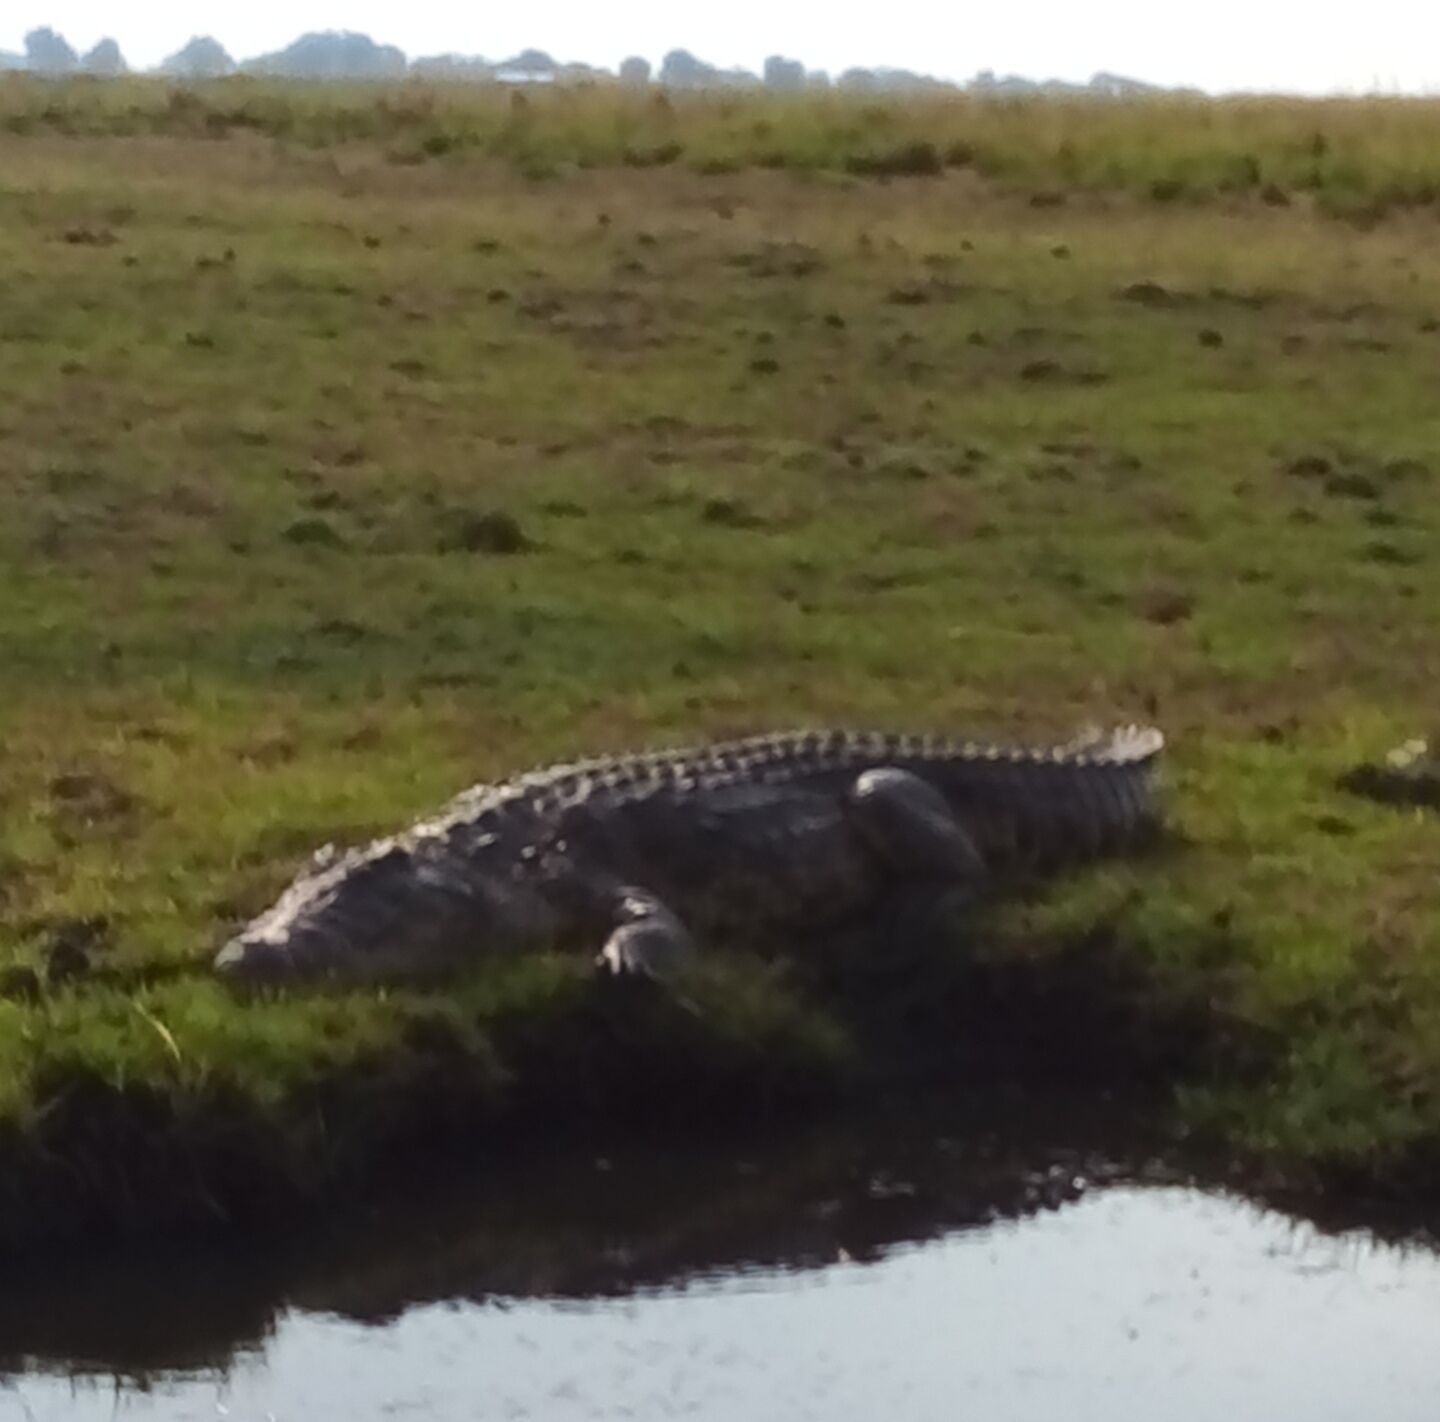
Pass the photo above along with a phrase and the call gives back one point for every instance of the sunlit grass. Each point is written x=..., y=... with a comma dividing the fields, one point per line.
x=318, y=508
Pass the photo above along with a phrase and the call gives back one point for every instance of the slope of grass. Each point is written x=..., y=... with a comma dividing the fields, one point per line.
x=329, y=485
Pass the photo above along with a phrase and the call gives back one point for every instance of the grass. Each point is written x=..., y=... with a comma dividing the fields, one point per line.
x=317, y=508
x=1358, y=158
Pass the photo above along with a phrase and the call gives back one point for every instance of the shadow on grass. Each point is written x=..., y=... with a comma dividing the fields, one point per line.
x=543, y=1050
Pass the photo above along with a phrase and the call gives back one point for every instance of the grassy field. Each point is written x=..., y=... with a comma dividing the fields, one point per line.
x=1360, y=159
x=331, y=483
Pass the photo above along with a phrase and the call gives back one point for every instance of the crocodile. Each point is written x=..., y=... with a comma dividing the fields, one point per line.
x=643, y=856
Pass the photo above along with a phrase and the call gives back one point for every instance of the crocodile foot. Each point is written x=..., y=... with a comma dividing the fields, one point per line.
x=648, y=939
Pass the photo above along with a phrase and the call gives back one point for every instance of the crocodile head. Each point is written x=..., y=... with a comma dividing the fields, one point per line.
x=384, y=912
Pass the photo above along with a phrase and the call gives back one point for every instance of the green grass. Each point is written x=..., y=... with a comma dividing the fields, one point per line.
x=1358, y=158
x=777, y=448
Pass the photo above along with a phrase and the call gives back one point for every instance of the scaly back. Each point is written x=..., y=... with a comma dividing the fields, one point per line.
x=1090, y=795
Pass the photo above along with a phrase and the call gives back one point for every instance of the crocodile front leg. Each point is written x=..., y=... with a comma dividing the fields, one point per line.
x=888, y=819
x=906, y=822
x=648, y=939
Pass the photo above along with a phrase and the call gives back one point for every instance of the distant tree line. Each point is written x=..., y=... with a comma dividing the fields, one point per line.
x=49, y=53
x=347, y=55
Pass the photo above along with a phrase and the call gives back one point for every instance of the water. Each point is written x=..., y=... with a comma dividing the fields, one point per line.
x=906, y=1274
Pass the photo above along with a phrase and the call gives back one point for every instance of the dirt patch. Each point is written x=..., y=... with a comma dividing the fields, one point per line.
x=1053, y=372
x=313, y=533
x=730, y=513
x=1152, y=294
x=89, y=237
x=89, y=799
x=1166, y=606
x=603, y=318
x=493, y=531
x=779, y=259
x=1350, y=474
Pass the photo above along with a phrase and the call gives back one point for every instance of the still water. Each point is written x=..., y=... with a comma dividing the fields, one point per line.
x=871, y=1275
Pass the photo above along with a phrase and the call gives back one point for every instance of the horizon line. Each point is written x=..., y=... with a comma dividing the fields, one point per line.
x=981, y=78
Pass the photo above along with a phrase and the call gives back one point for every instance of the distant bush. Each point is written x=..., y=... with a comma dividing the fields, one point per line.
x=784, y=74
x=201, y=58
x=49, y=53
x=635, y=71
x=105, y=60
x=331, y=55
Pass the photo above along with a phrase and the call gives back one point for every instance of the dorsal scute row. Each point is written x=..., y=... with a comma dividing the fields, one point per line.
x=772, y=757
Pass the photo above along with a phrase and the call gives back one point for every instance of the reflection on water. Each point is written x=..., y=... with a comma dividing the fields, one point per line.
x=952, y=1267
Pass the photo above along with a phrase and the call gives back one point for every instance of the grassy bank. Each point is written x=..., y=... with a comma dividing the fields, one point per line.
x=330, y=484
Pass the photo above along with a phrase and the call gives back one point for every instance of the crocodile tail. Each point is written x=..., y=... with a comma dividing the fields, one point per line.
x=1123, y=745
x=1113, y=795
x=1042, y=809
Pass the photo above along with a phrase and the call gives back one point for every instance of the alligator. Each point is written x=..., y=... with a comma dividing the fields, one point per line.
x=645, y=855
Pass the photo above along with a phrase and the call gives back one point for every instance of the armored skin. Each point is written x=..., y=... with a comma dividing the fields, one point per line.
x=641, y=857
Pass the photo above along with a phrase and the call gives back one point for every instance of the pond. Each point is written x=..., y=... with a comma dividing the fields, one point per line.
x=926, y=1268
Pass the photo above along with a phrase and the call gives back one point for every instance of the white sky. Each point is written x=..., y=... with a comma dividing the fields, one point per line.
x=1225, y=44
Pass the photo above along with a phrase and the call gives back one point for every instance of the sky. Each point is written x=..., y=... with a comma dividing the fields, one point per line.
x=1276, y=45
